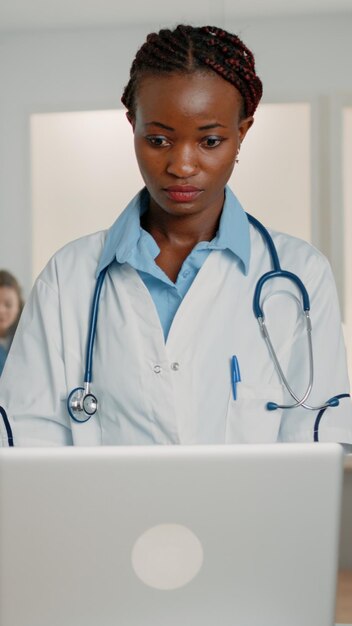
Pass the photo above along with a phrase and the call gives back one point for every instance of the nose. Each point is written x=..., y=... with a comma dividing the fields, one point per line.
x=183, y=161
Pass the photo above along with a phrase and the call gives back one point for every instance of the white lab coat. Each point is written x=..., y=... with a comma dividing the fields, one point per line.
x=150, y=392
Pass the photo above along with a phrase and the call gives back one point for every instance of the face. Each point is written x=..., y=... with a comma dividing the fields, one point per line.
x=9, y=309
x=187, y=130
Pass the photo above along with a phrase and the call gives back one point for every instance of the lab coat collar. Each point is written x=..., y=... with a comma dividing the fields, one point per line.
x=125, y=233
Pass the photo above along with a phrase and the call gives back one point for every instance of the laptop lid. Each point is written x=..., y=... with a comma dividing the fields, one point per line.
x=169, y=536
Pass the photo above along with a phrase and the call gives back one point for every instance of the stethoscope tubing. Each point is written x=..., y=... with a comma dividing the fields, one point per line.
x=298, y=401
x=7, y=427
x=269, y=242
x=93, y=326
x=258, y=312
x=321, y=413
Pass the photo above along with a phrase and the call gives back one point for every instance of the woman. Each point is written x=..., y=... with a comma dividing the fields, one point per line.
x=11, y=305
x=178, y=355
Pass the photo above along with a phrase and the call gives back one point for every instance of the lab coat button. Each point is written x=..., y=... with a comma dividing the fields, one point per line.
x=175, y=366
x=157, y=369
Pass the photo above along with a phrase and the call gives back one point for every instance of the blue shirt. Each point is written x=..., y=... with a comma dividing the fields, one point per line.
x=3, y=355
x=128, y=242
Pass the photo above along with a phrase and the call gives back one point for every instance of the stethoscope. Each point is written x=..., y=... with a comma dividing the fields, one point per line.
x=82, y=404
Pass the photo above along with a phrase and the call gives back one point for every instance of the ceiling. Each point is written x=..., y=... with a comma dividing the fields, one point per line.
x=43, y=14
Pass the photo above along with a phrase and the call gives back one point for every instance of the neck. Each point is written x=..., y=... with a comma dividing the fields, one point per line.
x=181, y=230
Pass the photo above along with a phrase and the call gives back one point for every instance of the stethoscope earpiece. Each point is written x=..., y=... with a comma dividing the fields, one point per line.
x=272, y=406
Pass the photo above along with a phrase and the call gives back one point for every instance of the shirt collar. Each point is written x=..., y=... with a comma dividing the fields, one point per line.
x=124, y=235
x=233, y=233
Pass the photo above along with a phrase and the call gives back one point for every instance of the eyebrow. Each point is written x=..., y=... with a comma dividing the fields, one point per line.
x=206, y=127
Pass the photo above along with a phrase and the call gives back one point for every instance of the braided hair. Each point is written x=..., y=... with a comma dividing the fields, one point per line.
x=187, y=49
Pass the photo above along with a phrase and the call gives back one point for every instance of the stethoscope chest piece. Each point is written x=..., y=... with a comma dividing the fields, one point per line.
x=81, y=404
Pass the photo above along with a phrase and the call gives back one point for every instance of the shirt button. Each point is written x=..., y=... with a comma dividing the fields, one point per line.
x=175, y=366
x=157, y=369
x=186, y=273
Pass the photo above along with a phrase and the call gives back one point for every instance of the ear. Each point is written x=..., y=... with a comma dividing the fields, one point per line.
x=131, y=120
x=244, y=126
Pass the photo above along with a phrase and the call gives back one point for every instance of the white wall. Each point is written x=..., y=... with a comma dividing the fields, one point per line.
x=297, y=58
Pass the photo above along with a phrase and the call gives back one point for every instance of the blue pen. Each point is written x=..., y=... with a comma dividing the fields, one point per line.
x=235, y=375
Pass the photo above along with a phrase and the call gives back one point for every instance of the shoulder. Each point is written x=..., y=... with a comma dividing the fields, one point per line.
x=74, y=262
x=89, y=246
x=284, y=241
x=299, y=256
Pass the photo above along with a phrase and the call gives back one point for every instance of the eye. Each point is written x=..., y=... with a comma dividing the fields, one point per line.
x=158, y=141
x=212, y=142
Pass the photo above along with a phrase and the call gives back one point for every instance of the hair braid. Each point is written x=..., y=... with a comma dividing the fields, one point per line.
x=187, y=49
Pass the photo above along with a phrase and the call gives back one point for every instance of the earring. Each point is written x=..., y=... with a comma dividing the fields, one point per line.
x=237, y=153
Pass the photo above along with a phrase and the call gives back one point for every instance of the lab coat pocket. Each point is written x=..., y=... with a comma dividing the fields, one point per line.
x=248, y=419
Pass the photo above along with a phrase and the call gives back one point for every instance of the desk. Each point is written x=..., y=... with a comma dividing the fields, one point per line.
x=344, y=598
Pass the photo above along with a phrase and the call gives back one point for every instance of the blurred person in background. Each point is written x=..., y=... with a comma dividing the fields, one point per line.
x=11, y=305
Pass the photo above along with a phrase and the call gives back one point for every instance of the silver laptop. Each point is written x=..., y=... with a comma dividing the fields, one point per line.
x=169, y=536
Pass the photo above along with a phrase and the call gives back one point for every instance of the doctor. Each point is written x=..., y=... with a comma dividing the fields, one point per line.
x=178, y=356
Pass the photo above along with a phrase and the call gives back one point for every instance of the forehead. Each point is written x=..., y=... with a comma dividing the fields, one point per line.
x=8, y=294
x=202, y=95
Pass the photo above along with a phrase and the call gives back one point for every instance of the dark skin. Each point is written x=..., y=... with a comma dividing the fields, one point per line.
x=187, y=130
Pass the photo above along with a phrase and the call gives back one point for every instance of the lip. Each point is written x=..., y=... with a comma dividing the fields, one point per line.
x=182, y=193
